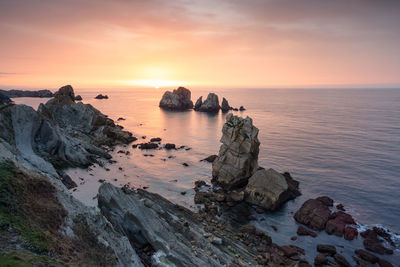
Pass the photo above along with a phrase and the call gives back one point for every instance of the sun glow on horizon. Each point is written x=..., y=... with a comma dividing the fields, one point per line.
x=155, y=83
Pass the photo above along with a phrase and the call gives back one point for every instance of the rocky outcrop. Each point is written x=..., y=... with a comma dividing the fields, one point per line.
x=83, y=120
x=4, y=100
x=198, y=104
x=179, y=99
x=237, y=159
x=78, y=98
x=225, y=105
x=270, y=189
x=100, y=96
x=24, y=93
x=173, y=232
x=211, y=104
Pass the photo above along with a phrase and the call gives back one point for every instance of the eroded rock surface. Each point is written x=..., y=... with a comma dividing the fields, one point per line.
x=270, y=189
x=211, y=104
x=179, y=99
x=238, y=155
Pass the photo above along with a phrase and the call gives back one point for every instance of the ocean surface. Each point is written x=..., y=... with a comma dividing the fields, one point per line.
x=342, y=143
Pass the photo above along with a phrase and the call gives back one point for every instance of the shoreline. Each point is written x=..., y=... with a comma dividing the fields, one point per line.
x=300, y=186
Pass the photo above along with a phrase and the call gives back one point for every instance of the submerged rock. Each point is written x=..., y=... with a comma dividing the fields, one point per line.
x=238, y=155
x=179, y=99
x=211, y=104
x=225, y=105
x=269, y=189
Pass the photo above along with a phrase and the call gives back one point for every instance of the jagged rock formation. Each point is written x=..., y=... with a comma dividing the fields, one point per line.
x=179, y=99
x=211, y=104
x=225, y=105
x=83, y=120
x=23, y=93
x=198, y=103
x=238, y=155
x=4, y=100
x=270, y=189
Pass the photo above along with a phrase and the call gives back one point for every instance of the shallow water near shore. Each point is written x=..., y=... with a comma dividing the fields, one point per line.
x=336, y=142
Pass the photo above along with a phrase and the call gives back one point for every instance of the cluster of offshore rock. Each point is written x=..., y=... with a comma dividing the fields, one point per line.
x=180, y=99
x=237, y=172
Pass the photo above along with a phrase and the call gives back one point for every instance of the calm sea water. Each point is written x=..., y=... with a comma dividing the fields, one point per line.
x=336, y=142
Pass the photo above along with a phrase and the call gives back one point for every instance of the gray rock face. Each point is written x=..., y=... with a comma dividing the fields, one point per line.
x=198, y=104
x=22, y=93
x=211, y=104
x=225, y=105
x=238, y=155
x=83, y=120
x=175, y=234
x=179, y=99
x=270, y=189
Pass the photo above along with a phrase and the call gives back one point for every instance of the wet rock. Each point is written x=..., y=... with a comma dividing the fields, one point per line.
x=340, y=207
x=269, y=189
x=320, y=260
x=170, y=146
x=211, y=104
x=78, y=98
x=217, y=241
x=236, y=196
x=238, y=154
x=210, y=158
x=148, y=146
x=179, y=99
x=367, y=256
x=198, y=103
x=384, y=263
x=155, y=139
x=67, y=181
x=341, y=260
x=337, y=224
x=304, y=231
x=304, y=263
x=350, y=233
x=100, y=96
x=314, y=214
x=329, y=249
x=199, y=183
x=225, y=105
x=326, y=200
x=373, y=243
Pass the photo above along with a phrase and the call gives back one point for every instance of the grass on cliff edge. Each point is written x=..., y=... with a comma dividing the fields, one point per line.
x=30, y=206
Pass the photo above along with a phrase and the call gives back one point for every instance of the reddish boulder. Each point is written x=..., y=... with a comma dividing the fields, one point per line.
x=337, y=223
x=304, y=231
x=350, y=233
x=367, y=256
x=373, y=243
x=314, y=214
x=326, y=200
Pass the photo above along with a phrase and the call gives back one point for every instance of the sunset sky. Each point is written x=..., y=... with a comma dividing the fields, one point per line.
x=232, y=43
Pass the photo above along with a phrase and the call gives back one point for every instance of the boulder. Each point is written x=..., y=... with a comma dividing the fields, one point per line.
x=367, y=256
x=373, y=243
x=242, y=108
x=304, y=231
x=238, y=155
x=211, y=104
x=78, y=98
x=269, y=189
x=337, y=224
x=314, y=214
x=350, y=233
x=198, y=104
x=328, y=249
x=179, y=99
x=100, y=96
x=225, y=105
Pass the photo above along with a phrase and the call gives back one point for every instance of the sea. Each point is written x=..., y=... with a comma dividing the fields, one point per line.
x=341, y=143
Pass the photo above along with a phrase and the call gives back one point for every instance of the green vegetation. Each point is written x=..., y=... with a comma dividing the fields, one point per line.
x=25, y=259
x=18, y=199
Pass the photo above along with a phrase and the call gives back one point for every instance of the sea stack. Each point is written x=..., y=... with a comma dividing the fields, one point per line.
x=211, y=104
x=179, y=99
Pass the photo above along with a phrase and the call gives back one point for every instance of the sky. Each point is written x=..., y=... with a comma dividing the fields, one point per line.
x=199, y=43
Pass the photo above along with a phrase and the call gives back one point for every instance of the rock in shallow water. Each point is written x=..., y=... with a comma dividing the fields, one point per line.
x=238, y=155
x=314, y=214
x=211, y=104
x=179, y=99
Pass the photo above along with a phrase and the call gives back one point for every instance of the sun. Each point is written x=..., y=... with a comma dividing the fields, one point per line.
x=155, y=83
